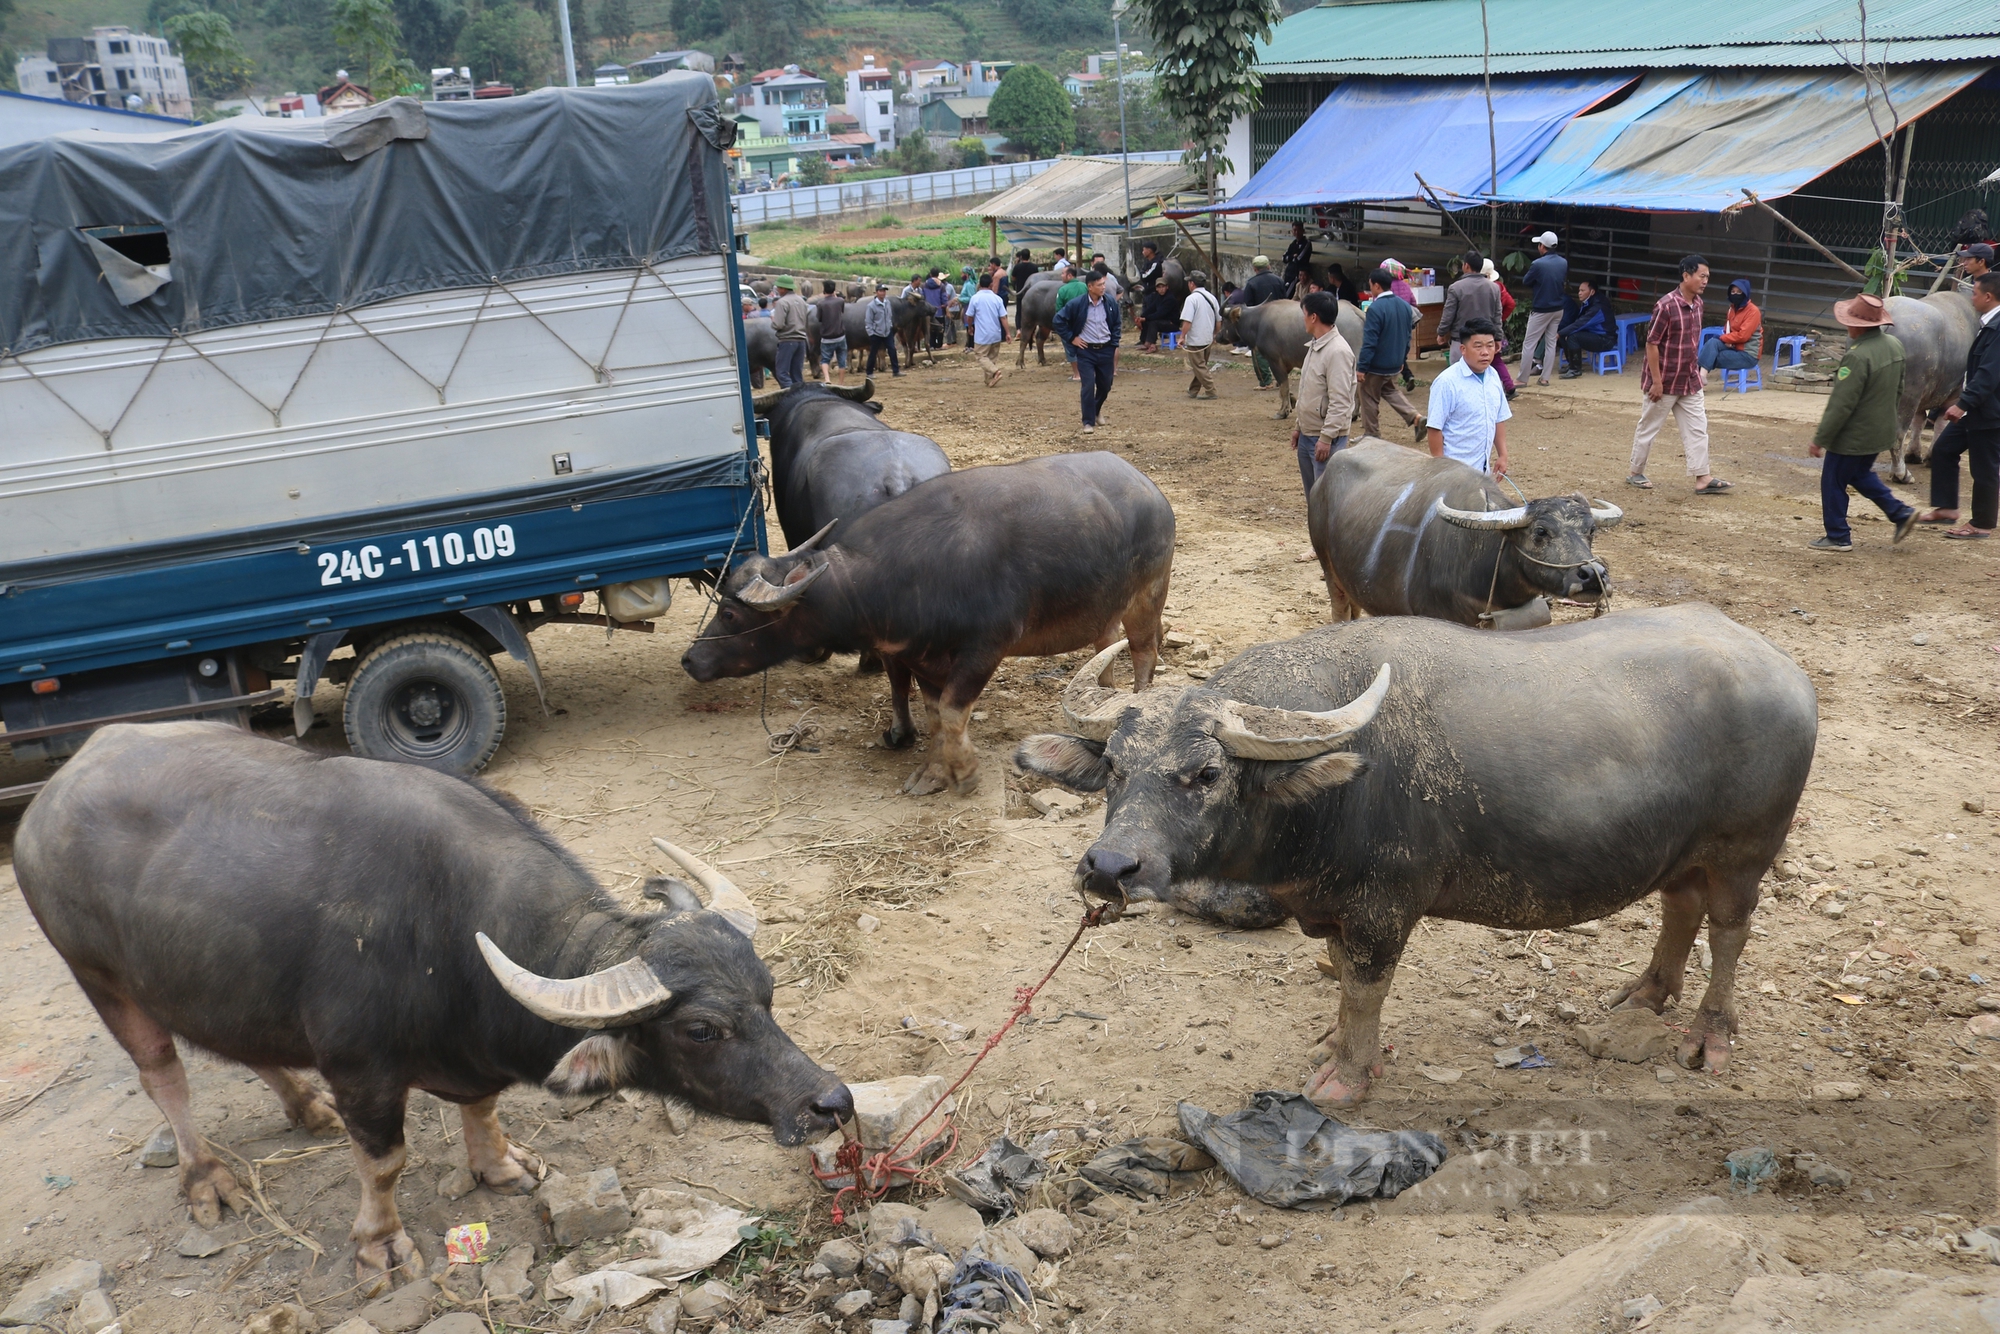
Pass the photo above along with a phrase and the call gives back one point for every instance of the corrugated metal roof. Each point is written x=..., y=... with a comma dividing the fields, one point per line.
x=1086, y=190
x=1436, y=37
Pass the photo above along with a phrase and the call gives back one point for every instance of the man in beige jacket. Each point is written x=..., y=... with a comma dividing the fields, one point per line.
x=1326, y=389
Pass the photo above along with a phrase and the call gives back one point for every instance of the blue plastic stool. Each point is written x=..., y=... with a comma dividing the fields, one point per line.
x=1796, y=345
x=1750, y=376
x=1712, y=331
x=1614, y=361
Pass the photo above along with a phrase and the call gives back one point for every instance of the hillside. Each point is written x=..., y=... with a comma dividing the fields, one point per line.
x=290, y=46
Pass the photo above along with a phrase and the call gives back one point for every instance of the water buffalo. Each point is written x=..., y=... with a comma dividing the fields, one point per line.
x=1399, y=533
x=832, y=459
x=1936, y=332
x=1361, y=777
x=1278, y=330
x=393, y=928
x=1036, y=315
x=945, y=580
x=762, y=346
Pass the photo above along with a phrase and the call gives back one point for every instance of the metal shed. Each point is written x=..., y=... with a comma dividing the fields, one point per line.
x=1084, y=190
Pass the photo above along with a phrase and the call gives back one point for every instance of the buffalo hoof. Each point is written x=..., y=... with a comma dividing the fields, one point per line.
x=1707, y=1046
x=925, y=782
x=1329, y=1090
x=1649, y=991
x=209, y=1187
x=869, y=664
x=376, y=1263
x=318, y=1116
x=517, y=1173
x=965, y=786
x=897, y=739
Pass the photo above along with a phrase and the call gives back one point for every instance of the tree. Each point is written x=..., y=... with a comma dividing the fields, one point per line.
x=1206, y=52
x=1061, y=21
x=1032, y=109
x=509, y=42
x=915, y=155
x=430, y=30
x=971, y=152
x=614, y=21
x=814, y=169
x=1148, y=127
x=697, y=20
x=216, y=64
x=368, y=29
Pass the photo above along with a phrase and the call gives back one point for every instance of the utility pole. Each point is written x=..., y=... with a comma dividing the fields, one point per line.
x=569, y=47
x=1118, y=9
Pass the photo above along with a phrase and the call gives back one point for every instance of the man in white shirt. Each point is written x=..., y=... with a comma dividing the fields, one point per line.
x=1468, y=409
x=986, y=317
x=1199, y=314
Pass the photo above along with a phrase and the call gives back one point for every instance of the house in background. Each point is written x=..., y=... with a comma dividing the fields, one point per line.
x=663, y=62
x=732, y=65
x=950, y=118
x=871, y=98
x=451, y=85
x=343, y=94
x=113, y=67
x=1076, y=85
x=924, y=75
x=296, y=106
x=610, y=76
x=788, y=103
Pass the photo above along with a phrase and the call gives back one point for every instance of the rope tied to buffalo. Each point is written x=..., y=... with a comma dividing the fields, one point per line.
x=871, y=1176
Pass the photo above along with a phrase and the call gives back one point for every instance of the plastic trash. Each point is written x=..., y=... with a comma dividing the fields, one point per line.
x=1286, y=1152
x=1749, y=1168
x=998, y=1181
x=1145, y=1167
x=465, y=1244
x=981, y=1291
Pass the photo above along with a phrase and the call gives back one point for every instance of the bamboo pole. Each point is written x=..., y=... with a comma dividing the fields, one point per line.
x=1805, y=236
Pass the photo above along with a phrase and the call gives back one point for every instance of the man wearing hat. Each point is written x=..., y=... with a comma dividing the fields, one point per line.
x=1860, y=422
x=1974, y=260
x=1546, y=279
x=789, y=322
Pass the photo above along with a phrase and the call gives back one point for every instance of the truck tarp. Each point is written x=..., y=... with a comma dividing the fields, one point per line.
x=148, y=235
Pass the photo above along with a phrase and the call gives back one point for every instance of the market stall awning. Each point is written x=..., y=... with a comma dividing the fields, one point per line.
x=1086, y=189
x=1689, y=141
x=1372, y=137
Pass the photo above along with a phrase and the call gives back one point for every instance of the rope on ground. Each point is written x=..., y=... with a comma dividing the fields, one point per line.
x=873, y=1176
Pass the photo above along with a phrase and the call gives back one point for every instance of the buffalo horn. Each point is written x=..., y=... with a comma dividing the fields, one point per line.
x=1250, y=732
x=763, y=403
x=858, y=393
x=723, y=897
x=1491, y=521
x=623, y=994
x=1605, y=513
x=1093, y=710
x=764, y=595
x=814, y=540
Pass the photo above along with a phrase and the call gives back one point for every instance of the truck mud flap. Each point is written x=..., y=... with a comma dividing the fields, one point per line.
x=499, y=623
x=311, y=663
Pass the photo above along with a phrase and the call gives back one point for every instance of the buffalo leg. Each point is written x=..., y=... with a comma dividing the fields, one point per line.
x=207, y=1184
x=1344, y=608
x=1142, y=629
x=957, y=764
x=374, y=1116
x=904, y=731
x=1284, y=392
x=1353, y=1050
x=304, y=1104
x=491, y=1157
x=1681, y=907
x=1729, y=909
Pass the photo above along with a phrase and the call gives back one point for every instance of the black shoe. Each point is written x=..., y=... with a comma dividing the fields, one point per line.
x=1906, y=525
x=1828, y=544
x=1572, y=375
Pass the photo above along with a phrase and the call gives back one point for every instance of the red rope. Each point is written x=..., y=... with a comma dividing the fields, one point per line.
x=872, y=1177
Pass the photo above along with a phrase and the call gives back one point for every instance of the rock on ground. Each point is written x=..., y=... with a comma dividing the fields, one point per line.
x=52, y=1292
x=506, y=1279
x=456, y=1184
x=840, y=1258
x=706, y=1302
x=853, y=1303
x=1882, y=1299
x=283, y=1318
x=160, y=1150
x=458, y=1322
x=953, y=1224
x=94, y=1312
x=404, y=1309
x=1045, y=1232
x=585, y=1210
x=1005, y=1247
x=354, y=1325
x=1626, y=1035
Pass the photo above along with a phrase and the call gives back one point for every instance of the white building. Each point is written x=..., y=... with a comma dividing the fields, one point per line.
x=871, y=99
x=113, y=67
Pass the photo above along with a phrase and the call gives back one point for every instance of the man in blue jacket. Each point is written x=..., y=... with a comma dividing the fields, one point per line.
x=1973, y=428
x=1586, y=329
x=1546, y=278
x=1385, y=343
x=1089, y=323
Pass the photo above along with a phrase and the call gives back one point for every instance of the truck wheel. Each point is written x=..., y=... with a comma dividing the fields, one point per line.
x=429, y=699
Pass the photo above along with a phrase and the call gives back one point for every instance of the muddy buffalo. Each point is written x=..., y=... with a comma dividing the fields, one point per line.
x=1278, y=330
x=1036, y=315
x=393, y=928
x=1399, y=533
x=957, y=573
x=1362, y=777
x=832, y=459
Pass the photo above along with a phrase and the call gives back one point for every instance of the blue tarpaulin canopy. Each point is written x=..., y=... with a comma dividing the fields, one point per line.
x=1371, y=137
x=1692, y=141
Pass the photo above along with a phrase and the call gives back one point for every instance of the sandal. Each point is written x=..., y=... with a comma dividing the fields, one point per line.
x=1934, y=517
x=1638, y=479
x=1968, y=534
x=1716, y=486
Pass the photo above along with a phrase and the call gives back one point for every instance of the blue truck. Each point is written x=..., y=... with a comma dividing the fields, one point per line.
x=414, y=380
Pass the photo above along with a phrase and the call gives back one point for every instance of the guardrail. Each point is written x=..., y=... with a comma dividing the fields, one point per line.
x=931, y=187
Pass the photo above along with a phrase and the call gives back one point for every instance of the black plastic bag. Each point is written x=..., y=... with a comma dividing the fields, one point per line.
x=1286, y=1152
x=1146, y=1166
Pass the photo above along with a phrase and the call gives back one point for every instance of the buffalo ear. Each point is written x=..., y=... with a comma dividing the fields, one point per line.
x=600, y=1063
x=1302, y=780
x=1075, y=762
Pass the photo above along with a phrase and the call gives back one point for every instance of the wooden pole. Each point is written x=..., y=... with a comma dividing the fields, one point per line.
x=992, y=236
x=1183, y=231
x=1805, y=236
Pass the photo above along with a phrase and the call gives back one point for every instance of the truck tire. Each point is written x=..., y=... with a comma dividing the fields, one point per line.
x=430, y=699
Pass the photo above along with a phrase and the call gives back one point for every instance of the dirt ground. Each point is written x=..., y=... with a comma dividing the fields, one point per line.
x=971, y=898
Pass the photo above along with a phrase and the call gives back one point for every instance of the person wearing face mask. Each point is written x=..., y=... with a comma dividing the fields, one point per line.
x=1742, y=341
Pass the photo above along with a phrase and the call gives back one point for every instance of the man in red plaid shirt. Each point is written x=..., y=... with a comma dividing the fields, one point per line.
x=1673, y=381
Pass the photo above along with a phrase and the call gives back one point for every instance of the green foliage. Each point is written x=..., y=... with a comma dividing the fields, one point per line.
x=761, y=1247
x=814, y=169
x=915, y=155
x=509, y=42
x=430, y=30
x=216, y=64
x=971, y=152
x=697, y=20
x=769, y=33
x=1064, y=21
x=1032, y=110
x=1148, y=127
x=1875, y=271
x=1206, y=52
x=368, y=30
x=614, y=21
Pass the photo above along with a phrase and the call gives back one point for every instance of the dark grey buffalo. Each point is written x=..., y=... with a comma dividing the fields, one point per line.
x=1399, y=533
x=1362, y=777
x=1036, y=316
x=762, y=346
x=957, y=573
x=393, y=928
x=1278, y=330
x=832, y=459
x=1936, y=332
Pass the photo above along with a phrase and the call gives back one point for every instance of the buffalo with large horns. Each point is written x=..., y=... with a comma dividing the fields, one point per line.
x=1399, y=533
x=1360, y=778
x=832, y=459
x=393, y=928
